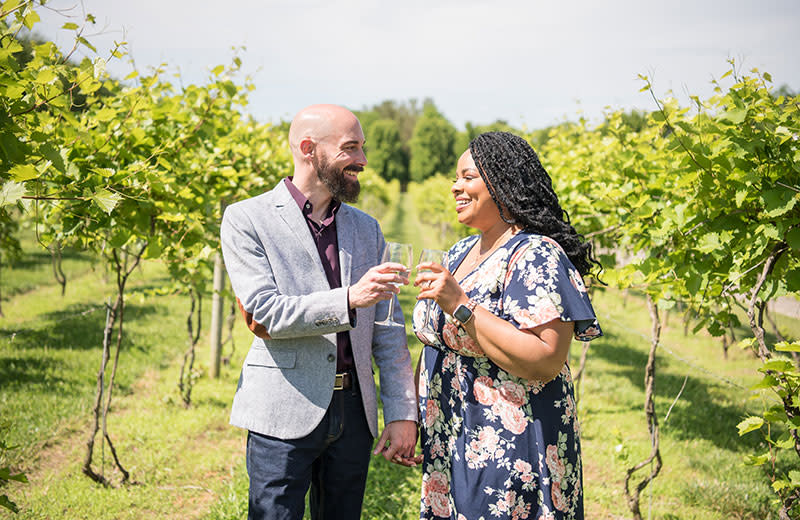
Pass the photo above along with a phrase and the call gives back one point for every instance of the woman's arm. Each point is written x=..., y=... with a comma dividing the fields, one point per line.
x=538, y=353
x=534, y=354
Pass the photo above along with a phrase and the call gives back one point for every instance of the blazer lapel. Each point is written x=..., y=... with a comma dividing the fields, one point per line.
x=287, y=208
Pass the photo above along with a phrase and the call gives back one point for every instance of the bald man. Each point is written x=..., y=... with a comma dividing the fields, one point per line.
x=305, y=270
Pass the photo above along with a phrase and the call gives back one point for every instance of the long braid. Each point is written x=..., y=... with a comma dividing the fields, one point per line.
x=523, y=192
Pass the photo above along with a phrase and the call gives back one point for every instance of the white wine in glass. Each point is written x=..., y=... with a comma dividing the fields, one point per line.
x=429, y=255
x=402, y=254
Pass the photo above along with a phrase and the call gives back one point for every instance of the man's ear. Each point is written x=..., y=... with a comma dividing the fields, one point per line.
x=307, y=146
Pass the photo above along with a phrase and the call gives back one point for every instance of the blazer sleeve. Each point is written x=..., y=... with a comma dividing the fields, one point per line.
x=268, y=313
x=390, y=351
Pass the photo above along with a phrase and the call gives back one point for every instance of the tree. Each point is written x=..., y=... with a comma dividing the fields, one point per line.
x=386, y=154
x=471, y=131
x=432, y=145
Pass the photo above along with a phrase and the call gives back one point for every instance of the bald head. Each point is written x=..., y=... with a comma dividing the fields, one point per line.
x=320, y=122
x=328, y=150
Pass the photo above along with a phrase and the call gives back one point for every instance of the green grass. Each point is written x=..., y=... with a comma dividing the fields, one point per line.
x=189, y=463
x=703, y=475
x=35, y=268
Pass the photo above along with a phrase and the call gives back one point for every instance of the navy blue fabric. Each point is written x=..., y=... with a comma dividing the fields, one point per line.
x=496, y=445
x=333, y=460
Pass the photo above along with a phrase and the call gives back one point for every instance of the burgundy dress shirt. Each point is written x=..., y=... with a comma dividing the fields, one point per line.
x=324, y=235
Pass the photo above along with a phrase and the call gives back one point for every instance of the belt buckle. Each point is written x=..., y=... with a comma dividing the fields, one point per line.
x=338, y=382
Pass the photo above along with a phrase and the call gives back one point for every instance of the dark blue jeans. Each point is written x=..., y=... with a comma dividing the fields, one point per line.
x=333, y=459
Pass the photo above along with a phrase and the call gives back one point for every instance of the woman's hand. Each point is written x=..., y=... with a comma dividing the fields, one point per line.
x=436, y=283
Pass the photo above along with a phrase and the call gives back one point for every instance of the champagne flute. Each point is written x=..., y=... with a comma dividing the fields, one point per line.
x=429, y=255
x=401, y=254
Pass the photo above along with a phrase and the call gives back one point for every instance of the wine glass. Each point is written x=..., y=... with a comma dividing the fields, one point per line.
x=401, y=254
x=429, y=255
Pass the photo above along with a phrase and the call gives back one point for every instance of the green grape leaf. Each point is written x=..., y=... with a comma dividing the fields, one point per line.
x=106, y=200
x=23, y=172
x=785, y=346
x=780, y=365
x=735, y=116
x=793, y=238
x=750, y=424
x=11, y=192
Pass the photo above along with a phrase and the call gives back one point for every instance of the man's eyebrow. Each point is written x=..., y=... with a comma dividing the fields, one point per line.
x=354, y=141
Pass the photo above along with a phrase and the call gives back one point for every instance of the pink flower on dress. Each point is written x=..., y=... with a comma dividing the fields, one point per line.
x=544, y=313
x=469, y=346
x=439, y=504
x=512, y=392
x=569, y=408
x=559, y=501
x=554, y=463
x=437, y=450
x=450, y=333
x=431, y=412
x=566, y=373
x=522, y=510
x=522, y=466
x=535, y=386
x=448, y=360
x=438, y=483
x=512, y=417
x=488, y=439
x=507, y=502
x=484, y=391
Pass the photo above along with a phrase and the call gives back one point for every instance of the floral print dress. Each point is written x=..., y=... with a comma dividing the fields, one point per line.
x=496, y=445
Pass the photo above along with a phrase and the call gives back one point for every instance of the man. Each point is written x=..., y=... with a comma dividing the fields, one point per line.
x=303, y=267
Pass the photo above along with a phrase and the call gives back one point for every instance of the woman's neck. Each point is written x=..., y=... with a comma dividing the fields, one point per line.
x=495, y=236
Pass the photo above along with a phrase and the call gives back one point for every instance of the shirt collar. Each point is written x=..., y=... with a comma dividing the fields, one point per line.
x=305, y=205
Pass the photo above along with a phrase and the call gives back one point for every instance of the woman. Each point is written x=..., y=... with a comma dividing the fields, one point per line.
x=498, y=422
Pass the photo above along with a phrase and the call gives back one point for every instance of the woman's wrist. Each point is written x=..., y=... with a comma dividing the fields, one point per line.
x=464, y=313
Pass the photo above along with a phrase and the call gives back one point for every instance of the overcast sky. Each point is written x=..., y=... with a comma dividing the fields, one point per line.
x=531, y=63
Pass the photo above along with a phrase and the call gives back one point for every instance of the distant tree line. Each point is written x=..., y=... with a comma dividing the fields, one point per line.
x=412, y=141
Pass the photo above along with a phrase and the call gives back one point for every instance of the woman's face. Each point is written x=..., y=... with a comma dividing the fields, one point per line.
x=474, y=204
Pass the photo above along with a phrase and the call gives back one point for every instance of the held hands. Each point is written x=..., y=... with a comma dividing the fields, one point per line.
x=402, y=443
x=436, y=282
x=376, y=284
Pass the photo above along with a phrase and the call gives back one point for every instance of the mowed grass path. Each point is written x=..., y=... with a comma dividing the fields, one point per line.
x=189, y=463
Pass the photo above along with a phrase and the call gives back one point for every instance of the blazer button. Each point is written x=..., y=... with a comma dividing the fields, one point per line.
x=331, y=358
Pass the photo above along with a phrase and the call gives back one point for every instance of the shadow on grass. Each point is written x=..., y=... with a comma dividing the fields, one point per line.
x=77, y=327
x=31, y=370
x=40, y=256
x=698, y=414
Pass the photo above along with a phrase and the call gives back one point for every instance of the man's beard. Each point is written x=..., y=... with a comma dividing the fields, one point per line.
x=342, y=187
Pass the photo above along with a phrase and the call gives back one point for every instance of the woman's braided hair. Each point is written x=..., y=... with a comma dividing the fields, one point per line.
x=523, y=192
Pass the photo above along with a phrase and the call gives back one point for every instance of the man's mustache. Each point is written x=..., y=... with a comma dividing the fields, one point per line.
x=354, y=168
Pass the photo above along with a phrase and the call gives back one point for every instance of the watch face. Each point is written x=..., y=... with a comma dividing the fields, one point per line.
x=462, y=313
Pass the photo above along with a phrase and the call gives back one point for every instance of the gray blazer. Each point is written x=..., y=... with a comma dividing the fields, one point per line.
x=286, y=381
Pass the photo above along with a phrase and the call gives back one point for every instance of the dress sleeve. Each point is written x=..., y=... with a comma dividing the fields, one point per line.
x=542, y=285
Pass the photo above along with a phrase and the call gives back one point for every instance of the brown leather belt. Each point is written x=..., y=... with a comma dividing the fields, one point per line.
x=343, y=381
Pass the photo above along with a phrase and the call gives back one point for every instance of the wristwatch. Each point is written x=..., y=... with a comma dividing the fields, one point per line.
x=464, y=313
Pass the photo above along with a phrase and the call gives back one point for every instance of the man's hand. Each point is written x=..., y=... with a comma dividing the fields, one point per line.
x=402, y=439
x=376, y=285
